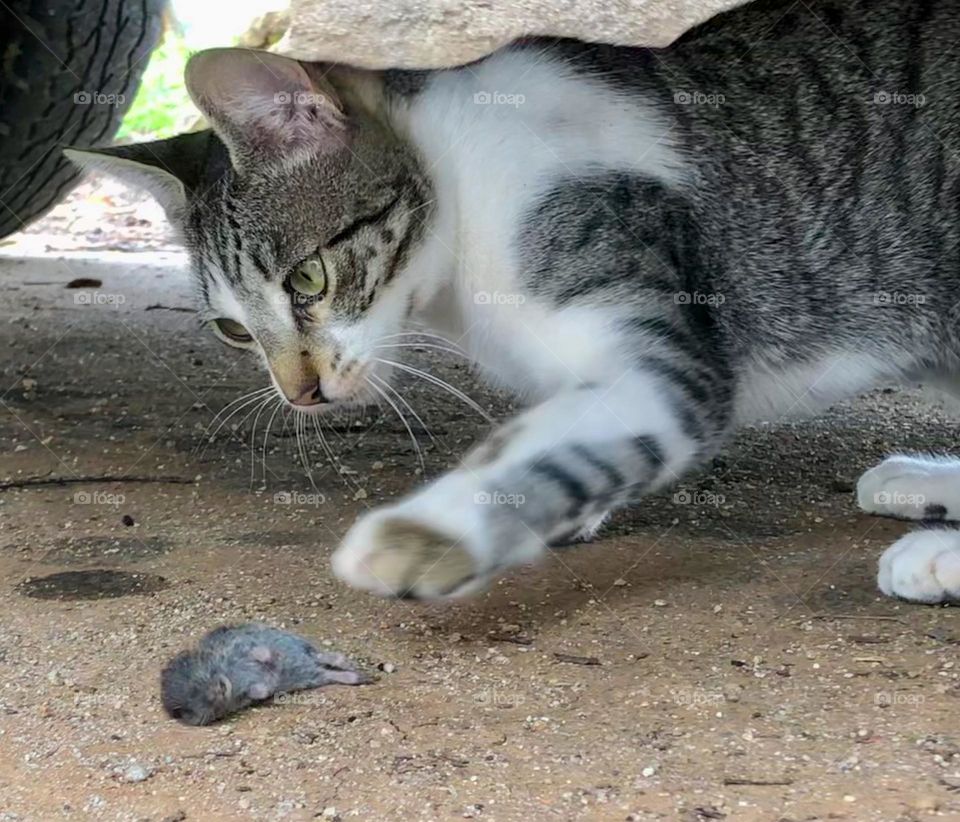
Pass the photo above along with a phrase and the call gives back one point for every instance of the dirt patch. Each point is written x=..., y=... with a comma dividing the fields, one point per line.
x=97, y=550
x=97, y=583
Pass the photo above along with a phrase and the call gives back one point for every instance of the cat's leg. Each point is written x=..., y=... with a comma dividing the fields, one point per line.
x=912, y=487
x=538, y=481
x=923, y=566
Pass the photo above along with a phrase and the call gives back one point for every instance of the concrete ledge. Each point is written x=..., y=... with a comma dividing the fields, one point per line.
x=436, y=33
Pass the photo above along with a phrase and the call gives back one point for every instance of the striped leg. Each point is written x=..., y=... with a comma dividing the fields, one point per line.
x=540, y=480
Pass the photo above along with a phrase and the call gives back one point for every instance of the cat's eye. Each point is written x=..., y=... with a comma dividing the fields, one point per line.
x=232, y=333
x=310, y=278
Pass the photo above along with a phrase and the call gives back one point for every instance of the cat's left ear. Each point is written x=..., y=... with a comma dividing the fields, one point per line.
x=266, y=108
x=169, y=169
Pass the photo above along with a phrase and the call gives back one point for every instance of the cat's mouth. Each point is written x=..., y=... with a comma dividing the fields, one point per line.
x=317, y=401
x=315, y=405
x=312, y=390
x=317, y=395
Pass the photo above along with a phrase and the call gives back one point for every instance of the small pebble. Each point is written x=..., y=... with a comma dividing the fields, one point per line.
x=137, y=773
x=926, y=804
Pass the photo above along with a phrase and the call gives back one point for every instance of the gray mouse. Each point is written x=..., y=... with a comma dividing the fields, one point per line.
x=235, y=666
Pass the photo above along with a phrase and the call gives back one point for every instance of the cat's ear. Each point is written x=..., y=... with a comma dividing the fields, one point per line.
x=169, y=169
x=266, y=108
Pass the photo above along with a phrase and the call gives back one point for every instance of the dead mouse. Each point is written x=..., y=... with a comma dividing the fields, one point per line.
x=235, y=666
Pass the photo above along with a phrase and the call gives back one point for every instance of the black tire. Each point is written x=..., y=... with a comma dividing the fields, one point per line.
x=68, y=74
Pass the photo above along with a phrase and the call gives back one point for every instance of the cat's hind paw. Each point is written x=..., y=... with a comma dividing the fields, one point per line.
x=917, y=488
x=923, y=566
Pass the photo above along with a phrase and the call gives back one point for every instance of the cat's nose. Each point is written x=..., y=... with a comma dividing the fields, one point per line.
x=311, y=394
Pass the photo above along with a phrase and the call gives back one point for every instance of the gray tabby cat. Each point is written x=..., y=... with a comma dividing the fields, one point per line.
x=651, y=246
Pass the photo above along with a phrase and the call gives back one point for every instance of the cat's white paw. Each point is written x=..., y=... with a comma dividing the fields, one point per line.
x=391, y=554
x=437, y=544
x=923, y=566
x=910, y=488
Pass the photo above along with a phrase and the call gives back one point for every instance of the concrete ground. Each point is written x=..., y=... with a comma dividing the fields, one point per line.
x=721, y=653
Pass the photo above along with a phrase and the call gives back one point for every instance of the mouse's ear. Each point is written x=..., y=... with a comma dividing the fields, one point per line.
x=261, y=654
x=224, y=686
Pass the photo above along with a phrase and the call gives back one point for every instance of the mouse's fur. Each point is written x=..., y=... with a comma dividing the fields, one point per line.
x=235, y=666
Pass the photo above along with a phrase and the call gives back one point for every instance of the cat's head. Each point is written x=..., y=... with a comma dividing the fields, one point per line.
x=303, y=214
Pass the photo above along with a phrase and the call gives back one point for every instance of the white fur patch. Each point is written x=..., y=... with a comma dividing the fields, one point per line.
x=493, y=138
x=797, y=390
x=907, y=487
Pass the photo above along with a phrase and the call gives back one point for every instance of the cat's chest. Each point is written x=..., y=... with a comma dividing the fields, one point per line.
x=536, y=351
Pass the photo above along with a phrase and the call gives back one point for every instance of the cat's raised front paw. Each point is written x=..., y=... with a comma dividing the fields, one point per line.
x=447, y=541
x=908, y=488
x=393, y=555
x=923, y=566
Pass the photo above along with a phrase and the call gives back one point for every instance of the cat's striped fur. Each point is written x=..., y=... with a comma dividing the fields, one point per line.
x=651, y=246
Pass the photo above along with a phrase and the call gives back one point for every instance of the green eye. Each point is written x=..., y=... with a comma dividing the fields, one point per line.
x=309, y=278
x=232, y=332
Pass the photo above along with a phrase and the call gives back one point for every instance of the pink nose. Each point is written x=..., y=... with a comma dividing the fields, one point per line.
x=311, y=394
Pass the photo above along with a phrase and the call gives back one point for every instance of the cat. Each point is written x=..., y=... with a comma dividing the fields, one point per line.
x=651, y=247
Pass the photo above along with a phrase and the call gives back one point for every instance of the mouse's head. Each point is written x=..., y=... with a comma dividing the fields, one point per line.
x=193, y=691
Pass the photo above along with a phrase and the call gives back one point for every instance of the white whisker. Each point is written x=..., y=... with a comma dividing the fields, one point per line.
x=427, y=345
x=237, y=405
x=387, y=387
x=253, y=436
x=299, y=427
x=413, y=439
x=456, y=392
x=424, y=334
x=266, y=434
x=318, y=427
